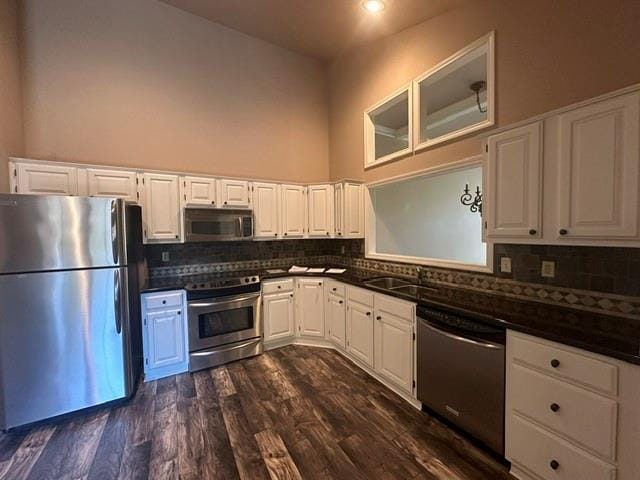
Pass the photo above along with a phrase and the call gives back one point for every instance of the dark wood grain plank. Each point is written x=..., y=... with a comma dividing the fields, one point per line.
x=135, y=462
x=9, y=443
x=164, y=446
x=218, y=461
x=276, y=457
x=108, y=456
x=27, y=454
x=245, y=449
x=222, y=381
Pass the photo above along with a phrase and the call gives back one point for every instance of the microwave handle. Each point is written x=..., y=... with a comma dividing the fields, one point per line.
x=240, y=227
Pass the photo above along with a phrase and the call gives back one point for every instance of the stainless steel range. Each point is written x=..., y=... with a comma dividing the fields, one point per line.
x=225, y=321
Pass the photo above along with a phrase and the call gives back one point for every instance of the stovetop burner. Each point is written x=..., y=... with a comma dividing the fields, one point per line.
x=222, y=287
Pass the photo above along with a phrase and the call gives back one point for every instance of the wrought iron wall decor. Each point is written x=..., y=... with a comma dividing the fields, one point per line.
x=468, y=200
x=476, y=87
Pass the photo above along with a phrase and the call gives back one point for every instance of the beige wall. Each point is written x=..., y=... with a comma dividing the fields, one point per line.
x=549, y=53
x=10, y=95
x=139, y=83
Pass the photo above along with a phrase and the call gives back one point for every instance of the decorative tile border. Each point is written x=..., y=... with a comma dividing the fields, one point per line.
x=587, y=300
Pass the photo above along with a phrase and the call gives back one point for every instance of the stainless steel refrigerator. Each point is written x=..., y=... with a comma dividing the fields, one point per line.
x=69, y=304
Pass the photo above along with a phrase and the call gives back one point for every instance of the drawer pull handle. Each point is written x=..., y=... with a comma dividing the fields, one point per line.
x=563, y=231
x=555, y=363
x=532, y=231
x=554, y=407
x=554, y=464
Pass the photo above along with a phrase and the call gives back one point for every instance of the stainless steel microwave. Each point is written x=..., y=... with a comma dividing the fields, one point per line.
x=216, y=224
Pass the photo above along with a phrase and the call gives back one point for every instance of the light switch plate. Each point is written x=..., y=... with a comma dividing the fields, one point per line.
x=505, y=265
x=548, y=269
x=165, y=256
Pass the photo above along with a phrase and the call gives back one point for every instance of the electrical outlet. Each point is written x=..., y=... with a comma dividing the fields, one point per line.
x=548, y=269
x=505, y=264
x=165, y=256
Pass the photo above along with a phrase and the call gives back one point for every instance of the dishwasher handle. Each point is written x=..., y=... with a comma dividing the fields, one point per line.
x=459, y=337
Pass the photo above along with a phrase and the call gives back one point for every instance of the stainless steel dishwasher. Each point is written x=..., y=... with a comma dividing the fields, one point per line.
x=460, y=375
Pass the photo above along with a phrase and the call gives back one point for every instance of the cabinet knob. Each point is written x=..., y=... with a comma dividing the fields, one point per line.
x=213, y=202
x=225, y=203
x=334, y=289
x=340, y=302
x=555, y=363
x=177, y=236
x=563, y=231
x=285, y=234
x=368, y=314
x=291, y=295
x=164, y=302
x=279, y=287
x=179, y=312
x=554, y=464
x=533, y=231
x=378, y=317
x=320, y=283
x=328, y=233
x=554, y=407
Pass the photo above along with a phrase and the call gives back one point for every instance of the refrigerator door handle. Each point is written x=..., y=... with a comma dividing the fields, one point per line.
x=116, y=301
x=114, y=231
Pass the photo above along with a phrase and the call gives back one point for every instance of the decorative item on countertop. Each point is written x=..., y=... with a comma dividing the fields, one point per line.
x=468, y=200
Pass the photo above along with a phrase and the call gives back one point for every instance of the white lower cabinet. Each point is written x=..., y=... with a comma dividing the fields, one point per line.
x=393, y=338
x=335, y=319
x=164, y=334
x=570, y=414
x=360, y=331
x=310, y=307
x=278, y=316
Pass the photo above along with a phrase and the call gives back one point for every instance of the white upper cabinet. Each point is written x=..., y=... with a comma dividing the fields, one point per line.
x=320, y=210
x=234, y=193
x=310, y=312
x=40, y=179
x=265, y=209
x=353, y=217
x=293, y=215
x=199, y=191
x=514, y=183
x=112, y=183
x=598, y=150
x=161, y=207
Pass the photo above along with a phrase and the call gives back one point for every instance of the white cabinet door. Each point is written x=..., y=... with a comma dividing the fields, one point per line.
x=310, y=298
x=294, y=210
x=514, y=183
x=265, y=210
x=353, y=216
x=320, y=210
x=360, y=332
x=336, y=320
x=394, y=349
x=166, y=341
x=234, y=193
x=278, y=316
x=33, y=178
x=112, y=183
x=199, y=191
x=161, y=207
x=599, y=153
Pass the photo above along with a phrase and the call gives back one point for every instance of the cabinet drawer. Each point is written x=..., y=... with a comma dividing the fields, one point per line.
x=395, y=307
x=163, y=300
x=535, y=449
x=336, y=288
x=278, y=286
x=562, y=407
x=361, y=296
x=579, y=368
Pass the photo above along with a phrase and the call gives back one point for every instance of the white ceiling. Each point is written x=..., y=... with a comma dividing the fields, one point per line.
x=318, y=28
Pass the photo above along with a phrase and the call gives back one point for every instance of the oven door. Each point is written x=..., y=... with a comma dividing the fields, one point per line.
x=218, y=321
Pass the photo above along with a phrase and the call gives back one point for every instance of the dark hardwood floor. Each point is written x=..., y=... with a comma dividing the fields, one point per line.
x=296, y=412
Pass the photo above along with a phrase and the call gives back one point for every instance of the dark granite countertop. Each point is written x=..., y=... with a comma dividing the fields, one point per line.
x=609, y=335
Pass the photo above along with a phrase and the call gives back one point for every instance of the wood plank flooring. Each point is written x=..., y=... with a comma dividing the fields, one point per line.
x=293, y=413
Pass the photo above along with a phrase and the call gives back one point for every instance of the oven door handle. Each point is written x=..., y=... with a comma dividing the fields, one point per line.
x=219, y=350
x=459, y=338
x=223, y=301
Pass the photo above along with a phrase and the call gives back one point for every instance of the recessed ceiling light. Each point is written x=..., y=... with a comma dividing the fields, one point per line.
x=373, y=5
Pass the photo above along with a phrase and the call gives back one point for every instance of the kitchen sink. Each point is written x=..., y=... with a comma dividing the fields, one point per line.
x=388, y=283
x=413, y=290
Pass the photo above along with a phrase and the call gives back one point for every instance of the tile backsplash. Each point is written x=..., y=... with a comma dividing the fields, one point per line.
x=593, y=278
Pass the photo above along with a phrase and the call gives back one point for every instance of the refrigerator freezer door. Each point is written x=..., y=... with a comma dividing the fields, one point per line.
x=41, y=233
x=60, y=349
